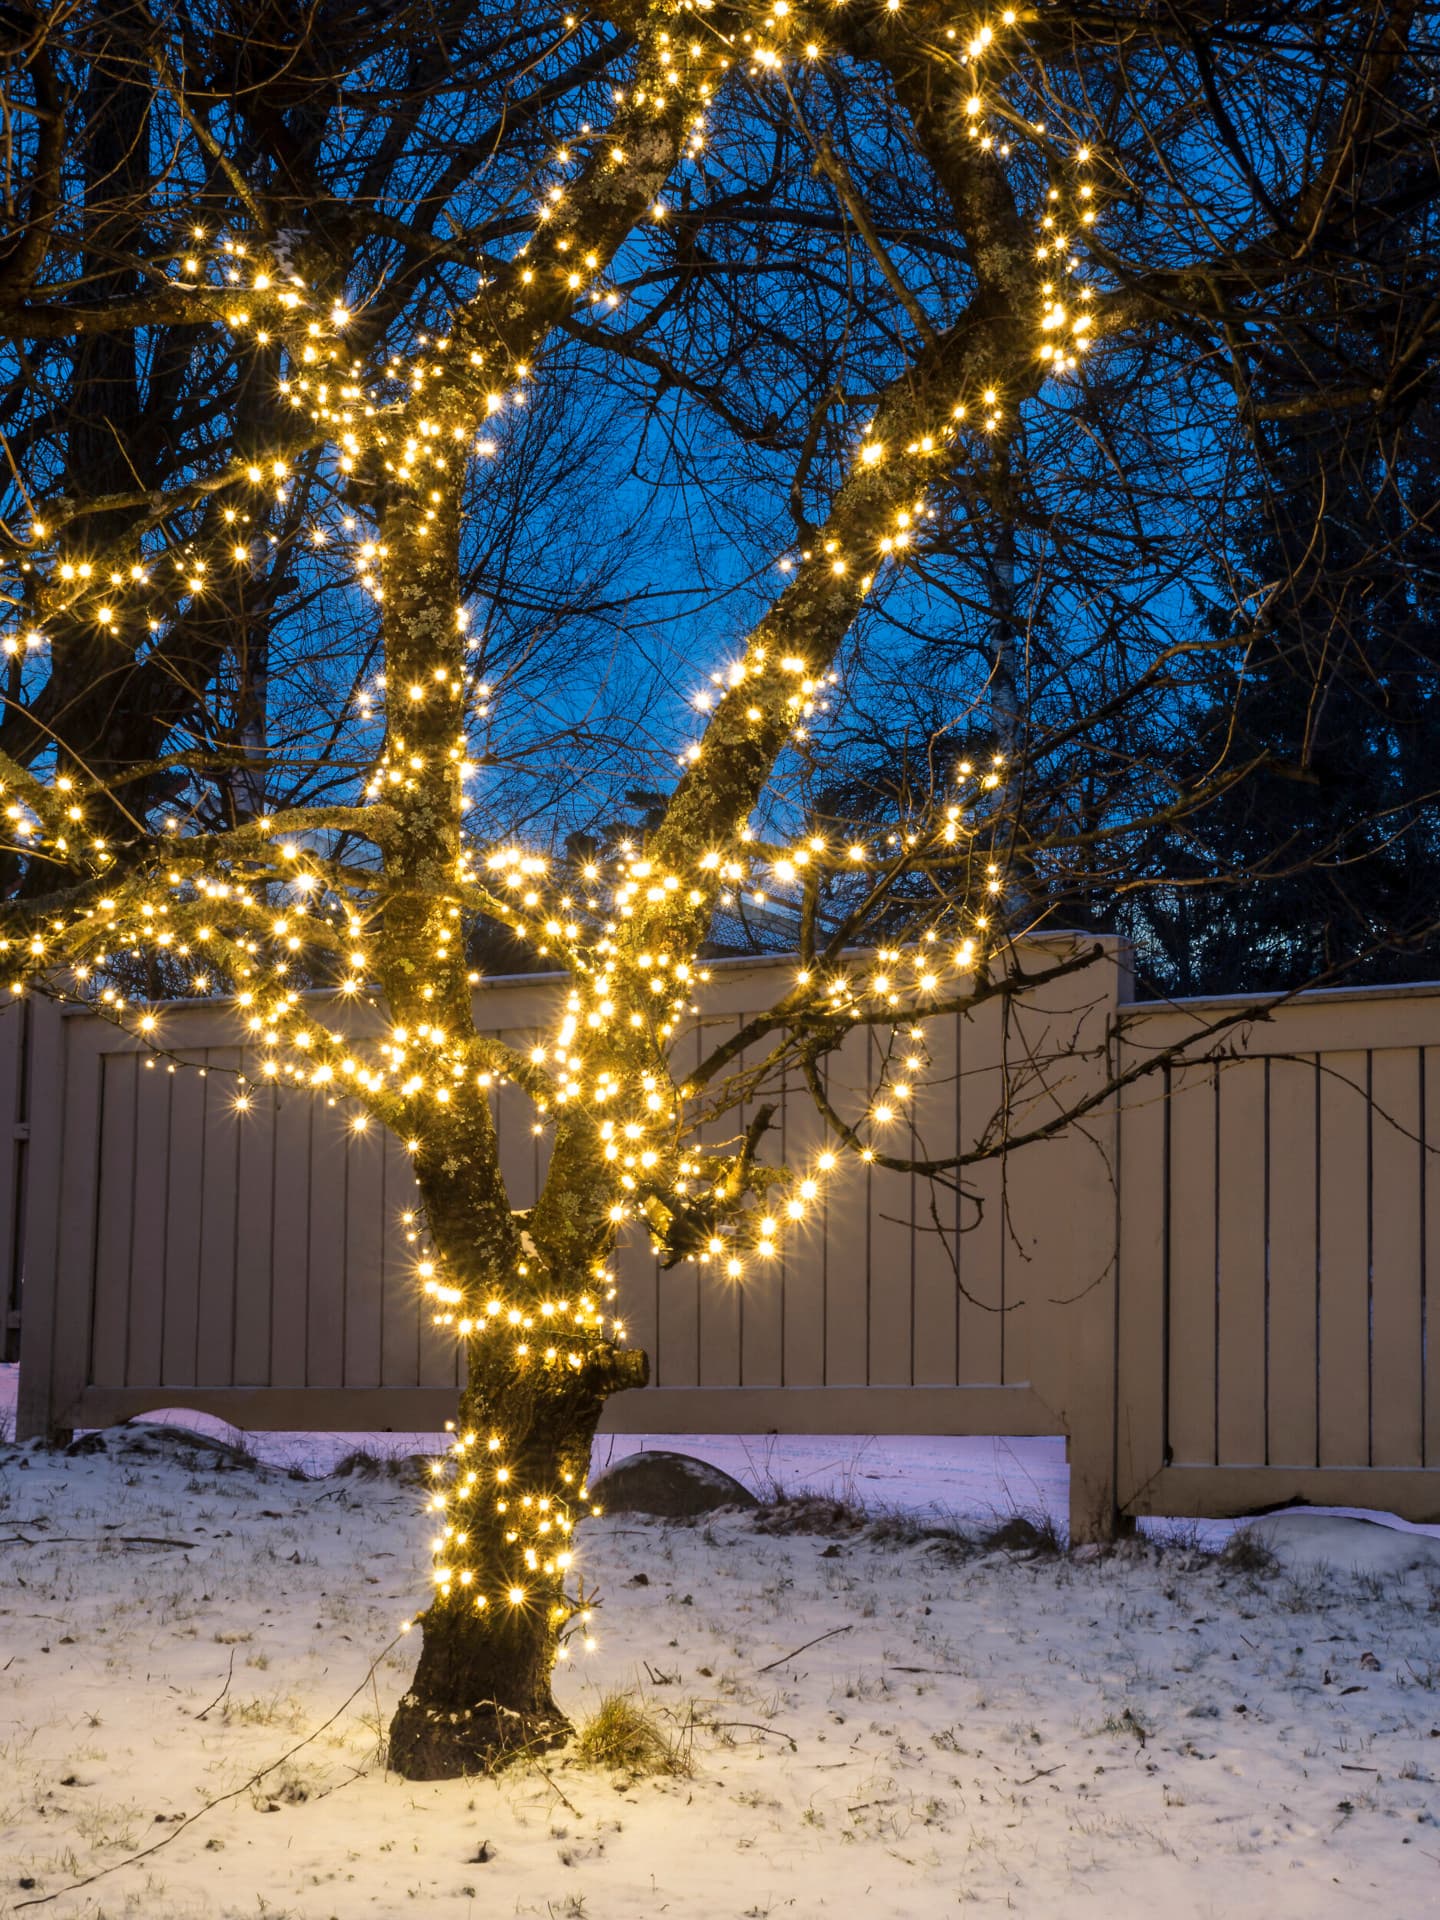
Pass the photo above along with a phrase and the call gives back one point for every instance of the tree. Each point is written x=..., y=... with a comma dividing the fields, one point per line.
x=377, y=147
x=1266, y=450
x=899, y=377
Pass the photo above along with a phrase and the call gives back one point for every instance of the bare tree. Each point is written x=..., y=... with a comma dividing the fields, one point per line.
x=853, y=256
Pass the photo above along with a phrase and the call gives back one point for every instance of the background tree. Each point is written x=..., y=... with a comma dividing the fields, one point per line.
x=787, y=289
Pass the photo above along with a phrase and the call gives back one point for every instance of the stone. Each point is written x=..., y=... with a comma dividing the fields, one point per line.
x=672, y=1486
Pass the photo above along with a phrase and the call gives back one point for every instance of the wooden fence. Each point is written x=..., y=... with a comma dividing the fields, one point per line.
x=1215, y=1284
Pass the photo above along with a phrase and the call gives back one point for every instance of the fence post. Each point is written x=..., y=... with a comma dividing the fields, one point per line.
x=1063, y=1223
x=35, y=1407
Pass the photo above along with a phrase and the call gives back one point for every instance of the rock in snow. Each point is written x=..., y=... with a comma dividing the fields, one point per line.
x=673, y=1486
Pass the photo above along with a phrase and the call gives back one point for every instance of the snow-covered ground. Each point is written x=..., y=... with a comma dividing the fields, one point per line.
x=1161, y=1731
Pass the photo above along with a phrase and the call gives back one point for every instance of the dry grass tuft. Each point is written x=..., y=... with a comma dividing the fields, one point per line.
x=810, y=1513
x=1034, y=1532
x=623, y=1736
x=1246, y=1551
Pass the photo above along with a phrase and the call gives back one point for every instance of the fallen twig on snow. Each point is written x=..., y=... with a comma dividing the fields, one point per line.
x=805, y=1649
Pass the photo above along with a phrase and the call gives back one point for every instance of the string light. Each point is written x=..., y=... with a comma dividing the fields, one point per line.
x=267, y=904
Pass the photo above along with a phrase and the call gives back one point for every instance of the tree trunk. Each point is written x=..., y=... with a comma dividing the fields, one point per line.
x=504, y=1603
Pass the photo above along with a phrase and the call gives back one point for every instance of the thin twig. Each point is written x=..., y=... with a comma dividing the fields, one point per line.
x=752, y=1726
x=229, y=1675
x=805, y=1649
x=550, y=1782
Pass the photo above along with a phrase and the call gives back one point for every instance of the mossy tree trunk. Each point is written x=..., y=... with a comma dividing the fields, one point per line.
x=481, y=1693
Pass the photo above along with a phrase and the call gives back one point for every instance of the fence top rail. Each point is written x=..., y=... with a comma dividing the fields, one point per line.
x=1263, y=1003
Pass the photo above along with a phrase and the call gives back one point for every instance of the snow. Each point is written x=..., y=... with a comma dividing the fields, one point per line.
x=1162, y=1729
x=1305, y=1541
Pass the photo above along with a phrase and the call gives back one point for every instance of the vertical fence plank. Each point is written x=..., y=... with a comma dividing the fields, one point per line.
x=890, y=1301
x=15, y=1028
x=762, y=1323
x=1190, y=1362
x=932, y=1361
x=803, y=1276
x=114, y=1146
x=1141, y=1309
x=1293, y=1404
x=327, y=1279
x=980, y=1212
x=363, y=1227
x=399, y=1291
x=78, y=1061
x=219, y=1195
x=254, y=1234
x=1344, y=1372
x=1430, y=1262
x=1396, y=1200
x=1241, y=1273
x=290, y=1239
x=43, y=1328
x=847, y=1226
x=184, y=1218
x=672, y=1339
x=721, y=1311
x=147, y=1233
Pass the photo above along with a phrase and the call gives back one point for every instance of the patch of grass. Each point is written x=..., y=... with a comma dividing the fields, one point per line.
x=361, y=1464
x=1247, y=1551
x=896, y=1528
x=623, y=1736
x=1175, y=1536
x=811, y=1513
x=827, y=1515
x=1032, y=1531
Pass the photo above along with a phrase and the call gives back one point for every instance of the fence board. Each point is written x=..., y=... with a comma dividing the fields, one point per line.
x=147, y=1230
x=1241, y=1272
x=1396, y=1212
x=1141, y=1321
x=847, y=1228
x=721, y=1309
x=980, y=1210
x=326, y=1278
x=185, y=1179
x=1344, y=1261
x=802, y=1276
x=290, y=1239
x=1430, y=1263
x=115, y=1147
x=1191, y=1361
x=671, y=1301
x=401, y=1297
x=936, y=1294
x=219, y=1196
x=254, y=1233
x=762, y=1293
x=15, y=1044
x=890, y=1275
x=1293, y=1430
